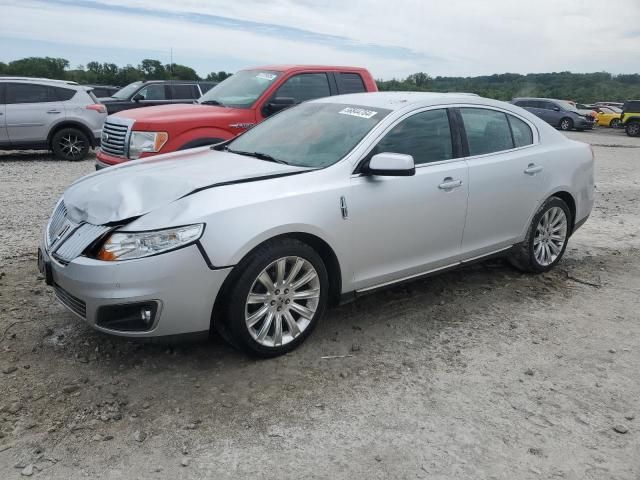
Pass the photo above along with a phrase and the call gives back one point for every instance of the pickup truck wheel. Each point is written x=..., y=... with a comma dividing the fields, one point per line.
x=633, y=129
x=546, y=238
x=615, y=123
x=70, y=144
x=566, y=124
x=278, y=298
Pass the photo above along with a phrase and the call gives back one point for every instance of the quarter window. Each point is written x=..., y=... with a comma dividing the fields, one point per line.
x=426, y=136
x=522, y=134
x=487, y=130
x=305, y=86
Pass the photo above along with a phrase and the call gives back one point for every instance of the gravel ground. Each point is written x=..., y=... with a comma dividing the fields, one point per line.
x=479, y=373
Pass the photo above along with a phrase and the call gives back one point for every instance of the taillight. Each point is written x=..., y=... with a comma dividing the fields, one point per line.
x=98, y=107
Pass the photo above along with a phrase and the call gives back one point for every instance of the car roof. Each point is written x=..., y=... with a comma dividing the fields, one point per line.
x=37, y=80
x=286, y=68
x=400, y=100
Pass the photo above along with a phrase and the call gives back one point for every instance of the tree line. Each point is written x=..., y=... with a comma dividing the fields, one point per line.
x=103, y=73
x=582, y=87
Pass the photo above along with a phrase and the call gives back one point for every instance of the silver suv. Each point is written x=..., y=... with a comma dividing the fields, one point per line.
x=43, y=114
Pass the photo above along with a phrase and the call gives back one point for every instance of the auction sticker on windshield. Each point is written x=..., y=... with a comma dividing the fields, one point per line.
x=357, y=112
x=266, y=76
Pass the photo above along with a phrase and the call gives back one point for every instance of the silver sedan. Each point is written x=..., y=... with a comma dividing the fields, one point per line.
x=319, y=204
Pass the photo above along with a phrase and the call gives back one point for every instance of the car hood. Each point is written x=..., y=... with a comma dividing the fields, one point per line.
x=169, y=114
x=132, y=189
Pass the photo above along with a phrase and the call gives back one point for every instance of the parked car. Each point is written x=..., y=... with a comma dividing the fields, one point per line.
x=230, y=108
x=559, y=113
x=102, y=91
x=323, y=202
x=155, y=92
x=608, y=116
x=609, y=104
x=44, y=114
x=630, y=118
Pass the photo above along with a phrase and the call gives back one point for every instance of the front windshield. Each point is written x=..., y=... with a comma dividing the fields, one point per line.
x=240, y=90
x=312, y=135
x=125, y=92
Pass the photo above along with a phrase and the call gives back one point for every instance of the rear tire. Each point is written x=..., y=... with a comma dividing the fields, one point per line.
x=269, y=312
x=70, y=144
x=615, y=123
x=546, y=238
x=633, y=129
x=566, y=124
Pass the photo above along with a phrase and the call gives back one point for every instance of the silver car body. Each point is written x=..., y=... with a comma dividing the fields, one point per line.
x=381, y=230
x=30, y=125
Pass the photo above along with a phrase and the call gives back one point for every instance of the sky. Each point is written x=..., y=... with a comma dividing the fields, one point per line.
x=391, y=38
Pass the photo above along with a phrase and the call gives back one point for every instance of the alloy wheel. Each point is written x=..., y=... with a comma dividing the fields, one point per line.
x=565, y=124
x=633, y=129
x=550, y=237
x=615, y=123
x=282, y=301
x=71, y=145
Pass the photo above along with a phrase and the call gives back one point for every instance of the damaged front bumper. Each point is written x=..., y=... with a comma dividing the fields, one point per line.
x=164, y=295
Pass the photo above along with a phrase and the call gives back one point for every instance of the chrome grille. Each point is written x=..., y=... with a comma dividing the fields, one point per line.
x=74, y=304
x=114, y=138
x=78, y=240
x=55, y=224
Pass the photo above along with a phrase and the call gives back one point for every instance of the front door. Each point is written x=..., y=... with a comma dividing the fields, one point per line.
x=30, y=111
x=405, y=226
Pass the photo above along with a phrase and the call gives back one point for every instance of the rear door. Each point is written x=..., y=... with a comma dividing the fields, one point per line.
x=30, y=111
x=4, y=138
x=506, y=178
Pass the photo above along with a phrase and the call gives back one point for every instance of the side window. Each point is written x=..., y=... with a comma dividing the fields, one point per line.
x=155, y=91
x=522, y=134
x=182, y=92
x=350, y=83
x=28, y=93
x=426, y=136
x=63, y=94
x=305, y=86
x=487, y=130
x=524, y=103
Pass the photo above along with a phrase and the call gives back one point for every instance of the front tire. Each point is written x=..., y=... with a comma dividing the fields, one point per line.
x=566, y=124
x=277, y=299
x=546, y=238
x=70, y=144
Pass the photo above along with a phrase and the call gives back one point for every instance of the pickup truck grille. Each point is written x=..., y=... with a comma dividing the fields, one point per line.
x=114, y=138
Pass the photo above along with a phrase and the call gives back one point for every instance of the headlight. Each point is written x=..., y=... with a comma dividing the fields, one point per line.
x=146, y=142
x=129, y=245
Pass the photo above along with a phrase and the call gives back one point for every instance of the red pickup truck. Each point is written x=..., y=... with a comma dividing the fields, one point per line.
x=228, y=109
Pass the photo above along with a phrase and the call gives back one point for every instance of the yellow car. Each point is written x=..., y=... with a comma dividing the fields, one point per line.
x=608, y=116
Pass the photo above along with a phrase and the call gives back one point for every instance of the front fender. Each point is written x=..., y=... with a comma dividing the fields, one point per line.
x=175, y=143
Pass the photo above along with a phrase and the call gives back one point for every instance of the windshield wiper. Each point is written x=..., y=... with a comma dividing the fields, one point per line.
x=212, y=102
x=258, y=155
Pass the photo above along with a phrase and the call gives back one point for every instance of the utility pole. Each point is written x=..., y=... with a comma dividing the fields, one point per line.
x=171, y=65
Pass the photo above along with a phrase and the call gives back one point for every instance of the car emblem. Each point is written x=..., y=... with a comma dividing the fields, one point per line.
x=105, y=136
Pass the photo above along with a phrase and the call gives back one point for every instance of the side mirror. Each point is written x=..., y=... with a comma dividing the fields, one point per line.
x=391, y=165
x=279, y=103
x=137, y=97
x=556, y=109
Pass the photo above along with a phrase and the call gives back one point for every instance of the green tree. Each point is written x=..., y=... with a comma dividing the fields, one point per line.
x=153, y=69
x=181, y=72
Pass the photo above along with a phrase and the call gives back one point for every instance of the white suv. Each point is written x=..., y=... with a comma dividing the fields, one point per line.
x=43, y=114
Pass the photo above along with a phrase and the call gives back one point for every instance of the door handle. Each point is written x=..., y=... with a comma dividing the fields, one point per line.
x=54, y=111
x=449, y=184
x=532, y=169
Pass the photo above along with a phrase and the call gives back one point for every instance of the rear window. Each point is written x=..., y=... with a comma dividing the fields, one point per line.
x=350, y=83
x=487, y=130
x=522, y=134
